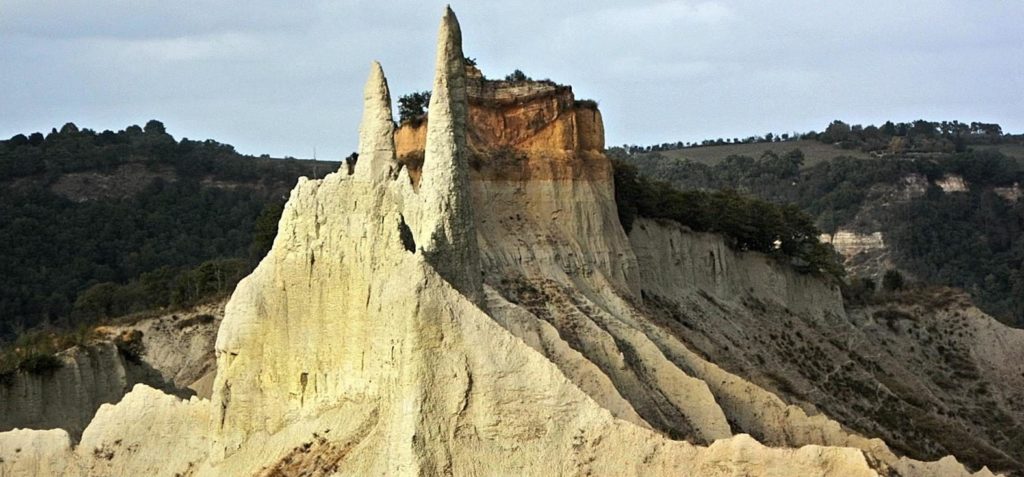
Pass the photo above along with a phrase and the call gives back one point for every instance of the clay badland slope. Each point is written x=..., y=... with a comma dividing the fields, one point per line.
x=489, y=317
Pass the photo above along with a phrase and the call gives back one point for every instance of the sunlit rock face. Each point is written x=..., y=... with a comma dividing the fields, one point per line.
x=481, y=311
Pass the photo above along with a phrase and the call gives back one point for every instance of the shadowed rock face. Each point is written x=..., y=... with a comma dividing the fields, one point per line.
x=500, y=325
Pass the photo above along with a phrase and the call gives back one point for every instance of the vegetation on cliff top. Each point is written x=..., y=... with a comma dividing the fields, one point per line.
x=412, y=107
x=781, y=231
x=35, y=352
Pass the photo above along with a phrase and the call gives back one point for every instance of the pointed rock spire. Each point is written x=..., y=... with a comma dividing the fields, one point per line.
x=377, y=130
x=446, y=126
x=446, y=222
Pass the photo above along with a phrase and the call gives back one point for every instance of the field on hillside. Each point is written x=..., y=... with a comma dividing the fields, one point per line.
x=814, y=151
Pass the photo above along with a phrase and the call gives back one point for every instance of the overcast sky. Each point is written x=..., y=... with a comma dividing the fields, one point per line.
x=284, y=77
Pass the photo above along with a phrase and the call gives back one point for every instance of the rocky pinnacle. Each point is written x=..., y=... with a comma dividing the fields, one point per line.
x=377, y=130
x=446, y=224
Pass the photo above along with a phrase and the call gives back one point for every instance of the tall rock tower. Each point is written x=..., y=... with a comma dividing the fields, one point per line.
x=377, y=130
x=446, y=228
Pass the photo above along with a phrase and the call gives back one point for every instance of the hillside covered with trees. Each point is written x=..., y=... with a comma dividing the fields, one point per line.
x=971, y=239
x=109, y=223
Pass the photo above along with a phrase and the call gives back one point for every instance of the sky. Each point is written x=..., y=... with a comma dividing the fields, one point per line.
x=286, y=78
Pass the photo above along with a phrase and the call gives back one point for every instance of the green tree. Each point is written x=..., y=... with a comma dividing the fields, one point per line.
x=36, y=139
x=517, y=76
x=413, y=106
x=100, y=300
x=154, y=127
x=265, y=229
x=835, y=132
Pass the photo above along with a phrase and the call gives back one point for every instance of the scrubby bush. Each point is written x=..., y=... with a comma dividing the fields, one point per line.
x=892, y=280
x=858, y=290
x=130, y=345
x=40, y=363
x=585, y=104
x=35, y=352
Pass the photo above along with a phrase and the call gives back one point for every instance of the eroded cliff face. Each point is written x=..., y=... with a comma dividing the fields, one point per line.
x=173, y=352
x=864, y=255
x=68, y=396
x=485, y=313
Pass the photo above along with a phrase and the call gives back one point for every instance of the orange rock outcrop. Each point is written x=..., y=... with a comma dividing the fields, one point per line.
x=521, y=130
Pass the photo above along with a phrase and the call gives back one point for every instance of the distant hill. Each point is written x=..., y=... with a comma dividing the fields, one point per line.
x=814, y=151
x=97, y=224
x=840, y=139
